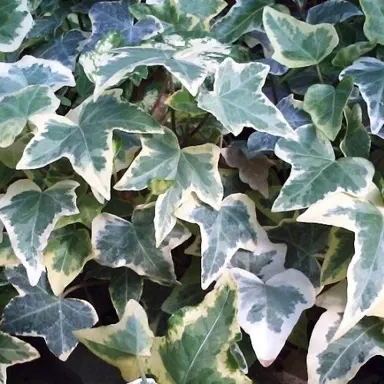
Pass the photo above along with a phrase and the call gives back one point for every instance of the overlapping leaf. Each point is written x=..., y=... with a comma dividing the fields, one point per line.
x=374, y=14
x=192, y=169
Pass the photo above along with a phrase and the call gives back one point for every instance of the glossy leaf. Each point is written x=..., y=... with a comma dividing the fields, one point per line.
x=374, y=14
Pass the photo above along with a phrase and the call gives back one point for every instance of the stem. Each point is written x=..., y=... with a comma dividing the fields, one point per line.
x=82, y=285
x=161, y=93
x=202, y=122
x=173, y=114
x=148, y=199
x=319, y=74
x=141, y=371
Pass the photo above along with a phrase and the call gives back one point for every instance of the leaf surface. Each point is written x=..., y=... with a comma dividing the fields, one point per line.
x=332, y=12
x=374, y=15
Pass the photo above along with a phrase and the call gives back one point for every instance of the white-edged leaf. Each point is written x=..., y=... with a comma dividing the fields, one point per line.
x=29, y=215
x=374, y=15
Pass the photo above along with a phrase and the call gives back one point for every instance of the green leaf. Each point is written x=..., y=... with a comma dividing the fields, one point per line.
x=190, y=61
x=325, y=104
x=223, y=231
x=316, y=172
x=121, y=344
x=347, y=55
x=368, y=75
x=199, y=339
x=32, y=71
x=269, y=311
x=298, y=44
x=17, y=109
x=365, y=217
x=244, y=16
x=356, y=141
x=193, y=169
x=84, y=137
x=37, y=312
x=15, y=24
x=118, y=243
x=183, y=101
x=238, y=101
x=29, y=215
x=14, y=351
x=67, y=252
x=7, y=256
x=374, y=15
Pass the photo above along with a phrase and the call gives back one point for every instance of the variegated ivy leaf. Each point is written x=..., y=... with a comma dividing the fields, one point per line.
x=118, y=243
x=368, y=75
x=29, y=215
x=67, y=252
x=238, y=101
x=84, y=137
x=140, y=381
x=32, y=71
x=114, y=16
x=15, y=25
x=37, y=312
x=315, y=171
x=200, y=338
x=124, y=343
x=14, y=351
x=356, y=141
x=254, y=171
x=333, y=12
x=244, y=16
x=269, y=311
x=365, y=217
x=192, y=169
x=20, y=107
x=325, y=104
x=347, y=55
x=298, y=44
x=128, y=145
x=7, y=255
x=374, y=14
x=224, y=231
x=190, y=61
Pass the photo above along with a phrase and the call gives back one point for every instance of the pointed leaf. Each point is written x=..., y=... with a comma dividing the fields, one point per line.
x=84, y=137
x=374, y=15
x=237, y=100
x=316, y=172
x=347, y=55
x=269, y=311
x=298, y=44
x=29, y=215
x=192, y=169
x=37, y=312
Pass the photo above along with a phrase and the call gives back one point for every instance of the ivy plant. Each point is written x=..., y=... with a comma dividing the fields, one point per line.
x=215, y=168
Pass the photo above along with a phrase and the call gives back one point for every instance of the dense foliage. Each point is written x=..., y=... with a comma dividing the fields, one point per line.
x=216, y=166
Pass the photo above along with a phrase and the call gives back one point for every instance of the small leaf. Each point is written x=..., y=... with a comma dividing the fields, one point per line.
x=374, y=15
x=7, y=256
x=237, y=100
x=347, y=55
x=223, y=231
x=37, y=312
x=325, y=104
x=123, y=343
x=183, y=101
x=14, y=351
x=192, y=169
x=67, y=252
x=316, y=172
x=298, y=44
x=29, y=215
x=269, y=311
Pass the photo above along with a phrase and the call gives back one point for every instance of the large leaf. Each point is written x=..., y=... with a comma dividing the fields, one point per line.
x=67, y=252
x=269, y=311
x=22, y=106
x=223, y=231
x=368, y=75
x=244, y=16
x=84, y=137
x=37, y=312
x=199, y=340
x=29, y=215
x=325, y=104
x=374, y=15
x=16, y=22
x=31, y=71
x=190, y=61
x=365, y=217
x=114, y=16
x=118, y=243
x=316, y=172
x=298, y=44
x=124, y=343
x=237, y=100
x=191, y=169
x=14, y=351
